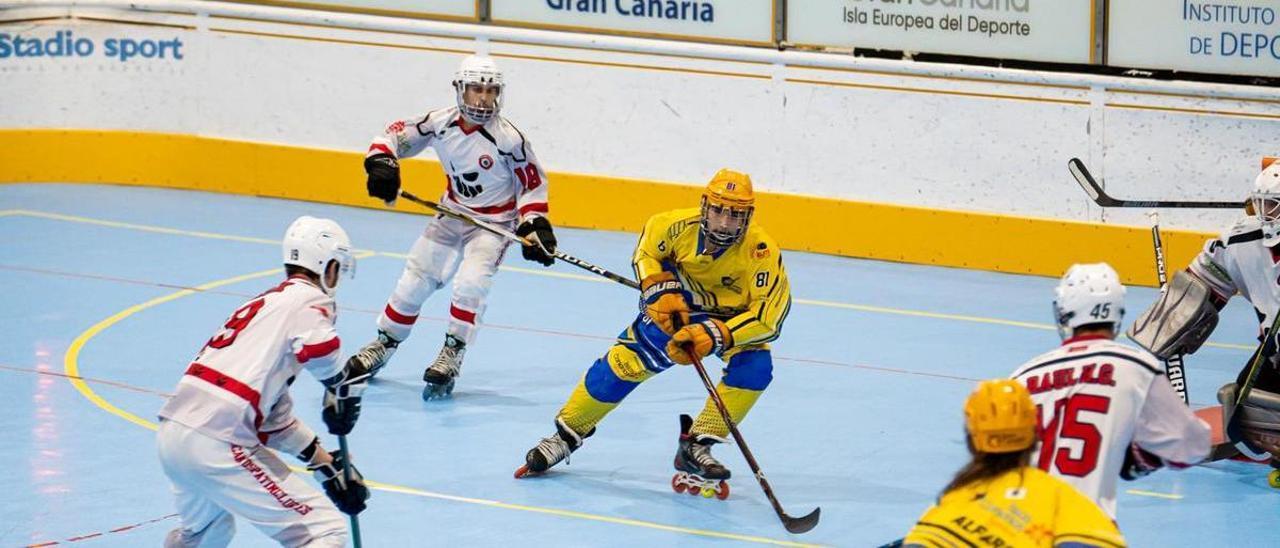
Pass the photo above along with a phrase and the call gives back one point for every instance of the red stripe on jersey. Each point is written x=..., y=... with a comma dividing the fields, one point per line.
x=462, y=315
x=462, y=125
x=398, y=317
x=379, y=147
x=220, y=380
x=318, y=350
x=483, y=210
x=1081, y=339
x=536, y=207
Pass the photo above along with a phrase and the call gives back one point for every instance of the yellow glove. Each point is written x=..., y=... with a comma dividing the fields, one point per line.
x=706, y=337
x=663, y=301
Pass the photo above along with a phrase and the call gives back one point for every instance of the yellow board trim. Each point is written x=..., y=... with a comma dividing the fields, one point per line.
x=983, y=241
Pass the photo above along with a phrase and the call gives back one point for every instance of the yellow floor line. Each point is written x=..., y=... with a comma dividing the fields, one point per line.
x=1167, y=496
x=71, y=366
x=569, y=276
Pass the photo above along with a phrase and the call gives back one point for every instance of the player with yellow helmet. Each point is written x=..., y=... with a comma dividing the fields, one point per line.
x=998, y=498
x=711, y=282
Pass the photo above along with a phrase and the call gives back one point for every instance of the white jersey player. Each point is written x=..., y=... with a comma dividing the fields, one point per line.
x=232, y=408
x=1106, y=409
x=493, y=175
x=1244, y=260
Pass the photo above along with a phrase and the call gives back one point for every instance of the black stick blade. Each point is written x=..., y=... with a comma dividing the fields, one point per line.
x=1082, y=175
x=802, y=524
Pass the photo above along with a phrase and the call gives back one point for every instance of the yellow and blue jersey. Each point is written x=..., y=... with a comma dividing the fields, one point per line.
x=1022, y=507
x=744, y=285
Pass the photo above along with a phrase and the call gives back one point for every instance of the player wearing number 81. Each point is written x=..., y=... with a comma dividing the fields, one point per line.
x=711, y=281
x=1106, y=410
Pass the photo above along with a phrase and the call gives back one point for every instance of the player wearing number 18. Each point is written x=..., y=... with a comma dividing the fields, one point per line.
x=711, y=282
x=1106, y=409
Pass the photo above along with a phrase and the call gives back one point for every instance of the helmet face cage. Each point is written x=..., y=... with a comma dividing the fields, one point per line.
x=1265, y=201
x=478, y=74
x=739, y=217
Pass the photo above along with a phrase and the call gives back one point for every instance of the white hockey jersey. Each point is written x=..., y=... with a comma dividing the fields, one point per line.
x=1237, y=262
x=236, y=388
x=1094, y=397
x=492, y=170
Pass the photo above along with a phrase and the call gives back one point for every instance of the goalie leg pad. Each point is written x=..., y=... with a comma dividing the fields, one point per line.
x=1259, y=420
x=1180, y=321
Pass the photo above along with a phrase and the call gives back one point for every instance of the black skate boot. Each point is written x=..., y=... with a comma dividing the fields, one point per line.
x=373, y=356
x=441, y=374
x=551, y=450
x=697, y=472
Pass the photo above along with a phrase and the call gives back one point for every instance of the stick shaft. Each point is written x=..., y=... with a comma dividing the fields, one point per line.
x=500, y=231
x=346, y=477
x=1100, y=196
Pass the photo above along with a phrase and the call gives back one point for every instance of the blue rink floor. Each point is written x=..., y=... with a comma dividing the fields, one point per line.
x=863, y=417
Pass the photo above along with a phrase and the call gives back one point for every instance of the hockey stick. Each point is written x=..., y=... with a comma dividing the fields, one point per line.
x=1173, y=366
x=1100, y=196
x=490, y=227
x=346, y=477
x=798, y=525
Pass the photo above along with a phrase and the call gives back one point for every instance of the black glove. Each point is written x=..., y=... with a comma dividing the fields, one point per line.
x=342, y=405
x=384, y=177
x=540, y=228
x=1138, y=463
x=348, y=496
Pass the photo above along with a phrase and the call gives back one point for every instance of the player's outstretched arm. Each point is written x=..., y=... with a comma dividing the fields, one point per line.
x=1168, y=429
x=401, y=139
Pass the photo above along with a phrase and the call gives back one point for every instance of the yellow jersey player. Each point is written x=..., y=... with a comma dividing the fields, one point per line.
x=711, y=281
x=998, y=499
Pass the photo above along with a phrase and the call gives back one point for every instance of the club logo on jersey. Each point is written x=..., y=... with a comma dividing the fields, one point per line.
x=762, y=251
x=731, y=283
x=466, y=190
x=486, y=161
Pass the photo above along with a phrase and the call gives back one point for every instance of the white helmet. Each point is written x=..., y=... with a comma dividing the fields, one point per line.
x=312, y=243
x=478, y=70
x=1088, y=294
x=1265, y=200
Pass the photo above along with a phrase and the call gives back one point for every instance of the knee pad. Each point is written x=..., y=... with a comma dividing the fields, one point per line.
x=751, y=370
x=612, y=377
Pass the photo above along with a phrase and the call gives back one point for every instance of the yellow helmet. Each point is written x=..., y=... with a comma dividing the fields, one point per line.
x=1000, y=417
x=730, y=188
x=731, y=200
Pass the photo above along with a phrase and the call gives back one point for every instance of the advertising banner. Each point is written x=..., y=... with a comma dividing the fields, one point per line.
x=430, y=9
x=1034, y=30
x=1219, y=36
x=724, y=21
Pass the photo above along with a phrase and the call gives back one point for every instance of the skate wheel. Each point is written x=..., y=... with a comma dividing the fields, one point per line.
x=1273, y=479
x=693, y=490
x=676, y=484
x=722, y=491
x=708, y=492
x=522, y=471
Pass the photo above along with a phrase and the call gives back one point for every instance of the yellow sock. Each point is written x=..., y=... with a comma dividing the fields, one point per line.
x=737, y=400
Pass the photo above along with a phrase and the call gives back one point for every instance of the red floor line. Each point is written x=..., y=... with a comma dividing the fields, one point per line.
x=86, y=379
x=101, y=534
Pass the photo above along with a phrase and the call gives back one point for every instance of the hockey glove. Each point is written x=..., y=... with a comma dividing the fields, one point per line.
x=538, y=230
x=662, y=299
x=348, y=496
x=384, y=177
x=704, y=338
x=342, y=402
x=1138, y=463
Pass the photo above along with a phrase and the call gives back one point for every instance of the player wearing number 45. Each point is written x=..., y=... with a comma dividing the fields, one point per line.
x=1106, y=409
x=712, y=282
x=493, y=176
x=231, y=412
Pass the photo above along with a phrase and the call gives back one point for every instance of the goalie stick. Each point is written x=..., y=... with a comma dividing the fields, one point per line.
x=511, y=236
x=798, y=525
x=1173, y=366
x=1100, y=196
x=1227, y=448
